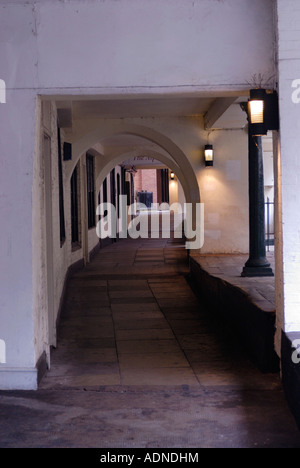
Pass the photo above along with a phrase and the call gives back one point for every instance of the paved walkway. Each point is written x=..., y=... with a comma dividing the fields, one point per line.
x=140, y=363
x=118, y=317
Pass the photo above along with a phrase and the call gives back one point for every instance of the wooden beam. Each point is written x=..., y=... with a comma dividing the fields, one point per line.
x=64, y=118
x=217, y=109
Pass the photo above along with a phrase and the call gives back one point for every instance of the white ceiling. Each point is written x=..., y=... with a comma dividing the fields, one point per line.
x=141, y=107
x=116, y=107
x=154, y=105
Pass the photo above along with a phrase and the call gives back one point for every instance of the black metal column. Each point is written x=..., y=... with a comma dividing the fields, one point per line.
x=257, y=264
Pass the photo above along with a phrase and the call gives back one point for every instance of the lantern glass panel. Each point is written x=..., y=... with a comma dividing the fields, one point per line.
x=257, y=112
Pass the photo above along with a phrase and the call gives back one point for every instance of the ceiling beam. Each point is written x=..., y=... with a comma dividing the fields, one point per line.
x=64, y=117
x=216, y=110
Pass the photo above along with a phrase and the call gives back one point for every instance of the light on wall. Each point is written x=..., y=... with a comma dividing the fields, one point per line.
x=172, y=176
x=263, y=111
x=209, y=155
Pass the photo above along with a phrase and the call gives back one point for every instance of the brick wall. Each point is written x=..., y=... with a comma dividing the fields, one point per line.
x=146, y=179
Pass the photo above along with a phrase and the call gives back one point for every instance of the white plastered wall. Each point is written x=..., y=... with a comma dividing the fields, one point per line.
x=287, y=171
x=224, y=192
x=47, y=232
x=16, y=247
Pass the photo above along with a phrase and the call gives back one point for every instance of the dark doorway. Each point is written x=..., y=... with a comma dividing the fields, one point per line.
x=164, y=181
x=90, y=175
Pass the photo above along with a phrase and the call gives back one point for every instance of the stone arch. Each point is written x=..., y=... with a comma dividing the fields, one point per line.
x=110, y=161
x=90, y=136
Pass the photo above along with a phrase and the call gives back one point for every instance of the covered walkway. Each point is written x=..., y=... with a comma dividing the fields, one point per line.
x=141, y=363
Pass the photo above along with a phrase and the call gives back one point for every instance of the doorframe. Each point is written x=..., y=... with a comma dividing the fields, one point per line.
x=47, y=156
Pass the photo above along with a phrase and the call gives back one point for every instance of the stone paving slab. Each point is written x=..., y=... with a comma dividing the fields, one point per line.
x=144, y=334
x=153, y=360
x=159, y=376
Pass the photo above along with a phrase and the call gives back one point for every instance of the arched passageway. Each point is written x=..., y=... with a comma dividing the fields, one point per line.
x=130, y=318
x=175, y=156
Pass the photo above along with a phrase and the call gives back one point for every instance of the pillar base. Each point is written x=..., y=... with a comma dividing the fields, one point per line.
x=257, y=266
x=18, y=378
x=252, y=271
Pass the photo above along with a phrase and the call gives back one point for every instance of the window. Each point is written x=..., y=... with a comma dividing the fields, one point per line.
x=113, y=187
x=123, y=181
x=90, y=176
x=118, y=193
x=74, y=207
x=105, y=190
x=164, y=174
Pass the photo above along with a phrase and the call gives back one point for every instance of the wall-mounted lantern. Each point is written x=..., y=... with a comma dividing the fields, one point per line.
x=209, y=155
x=172, y=175
x=263, y=111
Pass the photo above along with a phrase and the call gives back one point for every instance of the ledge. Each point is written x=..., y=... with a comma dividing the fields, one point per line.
x=246, y=305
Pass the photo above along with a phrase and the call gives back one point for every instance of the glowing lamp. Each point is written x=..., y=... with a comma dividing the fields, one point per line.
x=209, y=155
x=263, y=111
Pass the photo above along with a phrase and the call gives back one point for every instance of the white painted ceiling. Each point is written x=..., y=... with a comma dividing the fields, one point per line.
x=146, y=106
x=141, y=107
x=115, y=107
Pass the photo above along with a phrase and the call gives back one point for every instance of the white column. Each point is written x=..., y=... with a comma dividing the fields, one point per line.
x=17, y=123
x=287, y=171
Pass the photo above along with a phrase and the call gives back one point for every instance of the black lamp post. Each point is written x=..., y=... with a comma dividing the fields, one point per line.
x=257, y=264
x=262, y=113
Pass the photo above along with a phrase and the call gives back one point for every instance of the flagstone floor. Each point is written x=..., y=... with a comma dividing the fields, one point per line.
x=141, y=363
x=131, y=318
